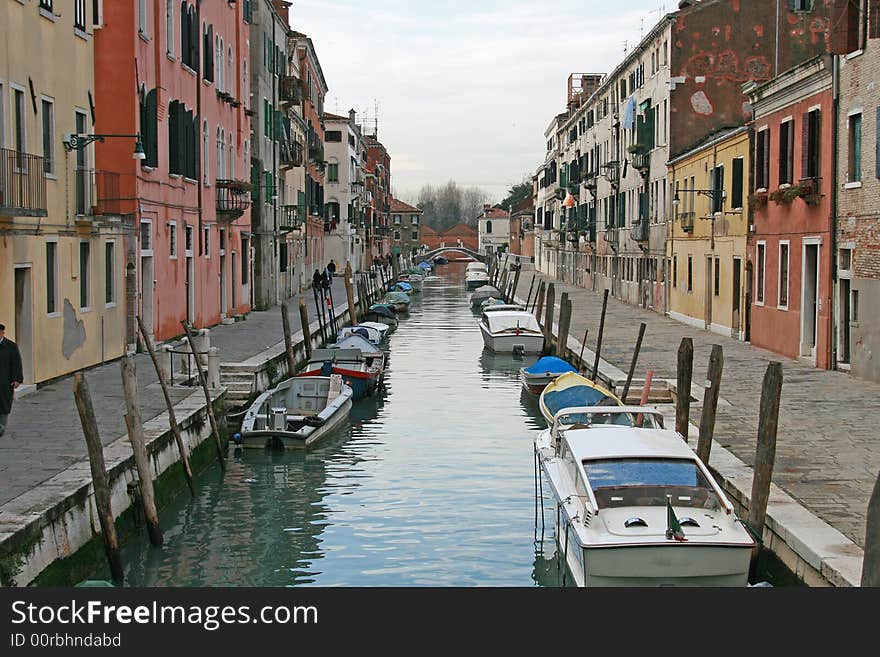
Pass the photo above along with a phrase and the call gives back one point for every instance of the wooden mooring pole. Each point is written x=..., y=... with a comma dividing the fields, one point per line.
x=172, y=418
x=548, y=318
x=564, y=325
x=581, y=367
x=304, y=321
x=683, y=387
x=288, y=341
x=511, y=297
x=209, y=405
x=100, y=481
x=871, y=560
x=539, y=300
x=635, y=359
x=765, y=452
x=531, y=286
x=710, y=403
x=135, y=425
x=349, y=293
x=595, y=373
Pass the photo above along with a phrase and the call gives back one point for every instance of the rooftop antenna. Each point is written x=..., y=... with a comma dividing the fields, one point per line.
x=641, y=28
x=625, y=48
x=376, y=118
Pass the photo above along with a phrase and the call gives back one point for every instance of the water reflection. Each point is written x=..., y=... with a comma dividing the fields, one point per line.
x=430, y=484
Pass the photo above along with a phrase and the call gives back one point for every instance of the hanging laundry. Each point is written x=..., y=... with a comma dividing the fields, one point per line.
x=629, y=115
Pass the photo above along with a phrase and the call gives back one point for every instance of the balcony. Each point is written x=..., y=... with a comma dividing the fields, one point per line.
x=290, y=90
x=291, y=154
x=22, y=184
x=96, y=194
x=612, y=172
x=641, y=231
x=233, y=198
x=291, y=217
x=687, y=221
x=641, y=162
x=612, y=236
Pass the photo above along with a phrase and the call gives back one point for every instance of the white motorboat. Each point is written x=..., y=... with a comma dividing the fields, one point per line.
x=369, y=333
x=511, y=329
x=297, y=413
x=476, y=278
x=482, y=293
x=636, y=507
x=379, y=326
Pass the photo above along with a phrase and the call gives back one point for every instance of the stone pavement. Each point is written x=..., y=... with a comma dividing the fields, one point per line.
x=828, y=443
x=45, y=437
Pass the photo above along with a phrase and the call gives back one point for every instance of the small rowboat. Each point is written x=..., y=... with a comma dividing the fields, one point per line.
x=572, y=389
x=543, y=372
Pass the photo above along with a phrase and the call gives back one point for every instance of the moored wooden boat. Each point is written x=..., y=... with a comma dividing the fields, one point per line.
x=547, y=369
x=572, y=389
x=296, y=413
x=511, y=329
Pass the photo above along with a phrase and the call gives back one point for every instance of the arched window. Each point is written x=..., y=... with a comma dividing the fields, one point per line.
x=206, y=153
x=230, y=157
x=219, y=173
x=245, y=94
x=218, y=61
x=488, y=227
x=231, y=71
x=169, y=26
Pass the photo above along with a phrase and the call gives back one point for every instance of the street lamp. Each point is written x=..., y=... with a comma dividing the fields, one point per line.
x=74, y=142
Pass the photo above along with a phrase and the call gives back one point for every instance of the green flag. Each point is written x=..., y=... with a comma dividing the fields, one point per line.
x=673, y=527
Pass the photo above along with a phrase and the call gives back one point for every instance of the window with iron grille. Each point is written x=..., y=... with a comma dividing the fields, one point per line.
x=79, y=14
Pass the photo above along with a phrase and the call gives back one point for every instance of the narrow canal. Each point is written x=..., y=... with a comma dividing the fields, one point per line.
x=431, y=484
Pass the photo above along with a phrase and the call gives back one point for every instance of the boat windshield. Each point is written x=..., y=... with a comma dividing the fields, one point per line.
x=613, y=416
x=649, y=482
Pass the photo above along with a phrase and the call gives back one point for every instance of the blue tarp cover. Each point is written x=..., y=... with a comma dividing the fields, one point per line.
x=572, y=397
x=551, y=364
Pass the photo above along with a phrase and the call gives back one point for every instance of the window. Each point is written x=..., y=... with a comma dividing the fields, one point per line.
x=48, y=117
x=109, y=268
x=811, y=144
x=855, y=148
x=690, y=280
x=188, y=238
x=146, y=236
x=230, y=71
x=245, y=93
x=415, y=235
x=718, y=189
x=19, y=118
x=333, y=135
x=397, y=235
x=332, y=173
x=220, y=171
x=786, y=152
x=222, y=241
x=783, y=275
x=46, y=4
x=717, y=276
x=142, y=16
x=760, y=263
x=282, y=256
x=84, y=253
x=762, y=159
x=150, y=129
x=169, y=27
x=230, y=157
x=674, y=271
x=801, y=5
x=206, y=241
x=245, y=260
x=874, y=19
x=79, y=15
x=488, y=227
x=854, y=307
x=172, y=239
x=51, y=277
x=182, y=141
x=206, y=154
x=736, y=194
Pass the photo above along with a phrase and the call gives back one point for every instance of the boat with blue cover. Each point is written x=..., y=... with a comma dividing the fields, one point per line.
x=543, y=372
x=572, y=389
x=399, y=301
x=402, y=286
x=382, y=313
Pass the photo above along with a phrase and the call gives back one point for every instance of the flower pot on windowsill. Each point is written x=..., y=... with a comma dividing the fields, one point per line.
x=758, y=200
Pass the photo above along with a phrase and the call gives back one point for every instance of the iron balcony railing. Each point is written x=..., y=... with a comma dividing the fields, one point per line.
x=687, y=221
x=291, y=217
x=22, y=184
x=233, y=198
x=641, y=231
x=96, y=193
x=290, y=90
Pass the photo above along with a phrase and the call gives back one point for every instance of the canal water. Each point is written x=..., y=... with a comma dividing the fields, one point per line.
x=431, y=483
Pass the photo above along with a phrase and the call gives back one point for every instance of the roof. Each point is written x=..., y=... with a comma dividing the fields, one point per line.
x=460, y=228
x=495, y=213
x=335, y=117
x=400, y=206
x=615, y=441
x=427, y=230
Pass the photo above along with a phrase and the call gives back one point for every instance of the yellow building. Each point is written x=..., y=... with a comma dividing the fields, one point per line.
x=706, y=245
x=62, y=289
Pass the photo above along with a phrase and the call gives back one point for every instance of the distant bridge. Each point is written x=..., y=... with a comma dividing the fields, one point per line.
x=459, y=249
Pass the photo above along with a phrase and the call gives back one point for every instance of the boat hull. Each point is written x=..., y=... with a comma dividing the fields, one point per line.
x=535, y=383
x=474, y=283
x=296, y=439
x=504, y=344
x=363, y=384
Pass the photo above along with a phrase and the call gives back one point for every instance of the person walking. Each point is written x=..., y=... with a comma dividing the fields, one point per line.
x=11, y=376
x=331, y=268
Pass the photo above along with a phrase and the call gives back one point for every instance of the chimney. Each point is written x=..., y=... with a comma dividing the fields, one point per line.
x=283, y=9
x=351, y=116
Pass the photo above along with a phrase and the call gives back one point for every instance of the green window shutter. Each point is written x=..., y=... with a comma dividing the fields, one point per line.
x=151, y=131
x=621, y=211
x=563, y=176
x=736, y=195
x=255, y=182
x=265, y=118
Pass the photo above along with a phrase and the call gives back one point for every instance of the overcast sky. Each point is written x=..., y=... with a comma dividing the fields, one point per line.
x=465, y=88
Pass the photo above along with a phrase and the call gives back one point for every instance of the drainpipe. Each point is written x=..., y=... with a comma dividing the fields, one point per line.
x=776, y=58
x=835, y=111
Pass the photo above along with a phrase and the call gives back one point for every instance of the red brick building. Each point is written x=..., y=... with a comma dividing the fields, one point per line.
x=378, y=201
x=790, y=241
x=457, y=235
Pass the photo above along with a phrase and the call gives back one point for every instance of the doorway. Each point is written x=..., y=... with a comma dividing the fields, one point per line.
x=24, y=320
x=737, y=284
x=223, y=287
x=810, y=300
x=190, y=292
x=845, y=342
x=750, y=278
x=147, y=294
x=232, y=274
